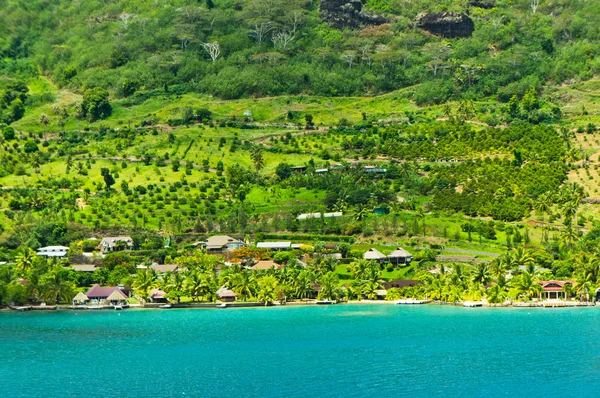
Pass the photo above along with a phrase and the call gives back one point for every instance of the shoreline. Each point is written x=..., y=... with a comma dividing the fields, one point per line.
x=217, y=306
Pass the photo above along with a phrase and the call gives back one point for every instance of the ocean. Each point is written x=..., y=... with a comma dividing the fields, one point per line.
x=312, y=351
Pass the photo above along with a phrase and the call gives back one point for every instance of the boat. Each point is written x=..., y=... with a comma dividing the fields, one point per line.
x=221, y=305
x=118, y=307
x=95, y=307
x=472, y=304
x=27, y=308
x=324, y=302
x=165, y=306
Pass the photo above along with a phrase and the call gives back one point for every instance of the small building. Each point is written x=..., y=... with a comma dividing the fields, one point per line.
x=165, y=268
x=374, y=254
x=53, y=251
x=101, y=294
x=115, y=243
x=401, y=283
x=274, y=245
x=265, y=264
x=84, y=267
x=400, y=256
x=306, y=216
x=226, y=295
x=158, y=296
x=220, y=244
x=554, y=289
x=374, y=170
x=80, y=299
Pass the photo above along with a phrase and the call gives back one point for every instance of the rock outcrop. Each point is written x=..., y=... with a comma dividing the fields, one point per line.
x=348, y=14
x=446, y=24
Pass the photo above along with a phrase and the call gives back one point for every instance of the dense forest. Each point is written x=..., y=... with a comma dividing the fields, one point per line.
x=240, y=48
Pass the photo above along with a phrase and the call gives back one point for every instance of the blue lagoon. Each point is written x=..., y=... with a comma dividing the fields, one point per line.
x=334, y=351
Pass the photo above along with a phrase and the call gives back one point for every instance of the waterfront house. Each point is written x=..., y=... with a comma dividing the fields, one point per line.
x=374, y=254
x=101, y=294
x=554, y=289
x=400, y=256
x=115, y=243
x=80, y=299
x=265, y=264
x=274, y=245
x=219, y=244
x=53, y=251
x=158, y=296
x=226, y=295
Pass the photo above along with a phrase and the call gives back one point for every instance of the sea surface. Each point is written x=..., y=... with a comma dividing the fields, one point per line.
x=320, y=351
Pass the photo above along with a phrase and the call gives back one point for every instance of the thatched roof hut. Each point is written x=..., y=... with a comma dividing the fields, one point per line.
x=115, y=296
x=80, y=298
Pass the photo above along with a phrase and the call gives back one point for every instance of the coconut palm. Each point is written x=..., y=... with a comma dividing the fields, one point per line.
x=584, y=287
x=24, y=260
x=56, y=285
x=175, y=285
x=526, y=286
x=496, y=294
x=482, y=275
x=242, y=283
x=329, y=286
x=201, y=285
x=303, y=284
x=267, y=289
x=543, y=205
x=145, y=280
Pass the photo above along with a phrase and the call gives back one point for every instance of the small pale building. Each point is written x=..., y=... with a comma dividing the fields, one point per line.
x=115, y=243
x=53, y=251
x=274, y=245
x=375, y=255
x=220, y=244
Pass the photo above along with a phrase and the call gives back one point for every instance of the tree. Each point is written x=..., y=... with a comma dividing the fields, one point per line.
x=95, y=104
x=267, y=289
x=329, y=286
x=24, y=260
x=283, y=171
x=45, y=121
x=213, y=50
x=109, y=180
x=257, y=158
x=145, y=280
x=56, y=286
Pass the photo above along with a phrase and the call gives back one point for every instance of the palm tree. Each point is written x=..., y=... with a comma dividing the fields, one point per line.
x=496, y=294
x=202, y=285
x=45, y=120
x=329, y=286
x=145, y=281
x=242, y=283
x=175, y=285
x=482, y=274
x=268, y=289
x=257, y=158
x=24, y=260
x=526, y=286
x=303, y=284
x=56, y=285
x=543, y=206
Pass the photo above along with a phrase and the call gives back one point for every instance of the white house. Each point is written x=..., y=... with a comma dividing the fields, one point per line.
x=116, y=243
x=53, y=251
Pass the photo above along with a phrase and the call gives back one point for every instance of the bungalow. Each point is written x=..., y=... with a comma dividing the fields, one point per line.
x=554, y=289
x=115, y=243
x=400, y=283
x=400, y=256
x=374, y=254
x=305, y=216
x=226, y=295
x=83, y=267
x=53, y=251
x=265, y=264
x=99, y=293
x=158, y=296
x=220, y=244
x=274, y=245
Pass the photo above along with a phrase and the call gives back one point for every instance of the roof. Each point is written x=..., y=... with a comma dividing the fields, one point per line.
x=274, y=245
x=157, y=293
x=305, y=216
x=53, y=248
x=97, y=291
x=373, y=254
x=224, y=292
x=399, y=252
x=112, y=240
x=266, y=264
x=218, y=241
x=164, y=267
x=83, y=267
x=554, y=286
x=80, y=297
x=117, y=295
x=401, y=283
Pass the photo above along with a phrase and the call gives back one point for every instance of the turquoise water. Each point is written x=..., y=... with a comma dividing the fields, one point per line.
x=334, y=351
